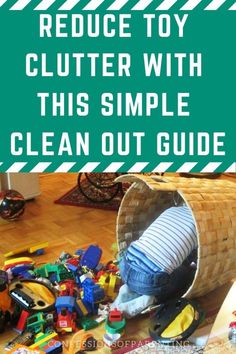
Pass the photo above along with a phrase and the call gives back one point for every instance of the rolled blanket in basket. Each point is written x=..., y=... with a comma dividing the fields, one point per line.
x=156, y=264
x=166, y=243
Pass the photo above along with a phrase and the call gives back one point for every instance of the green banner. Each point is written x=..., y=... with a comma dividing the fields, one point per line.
x=117, y=86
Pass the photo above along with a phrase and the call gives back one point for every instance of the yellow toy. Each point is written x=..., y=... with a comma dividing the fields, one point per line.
x=109, y=282
x=45, y=338
x=103, y=281
x=32, y=248
x=16, y=261
x=114, y=280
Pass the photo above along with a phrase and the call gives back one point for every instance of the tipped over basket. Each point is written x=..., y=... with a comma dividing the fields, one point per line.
x=213, y=206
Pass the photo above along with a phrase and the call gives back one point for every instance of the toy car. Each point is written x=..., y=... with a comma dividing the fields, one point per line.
x=66, y=322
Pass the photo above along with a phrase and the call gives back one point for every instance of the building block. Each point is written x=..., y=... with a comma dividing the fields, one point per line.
x=92, y=292
x=103, y=281
x=115, y=323
x=54, y=272
x=39, y=252
x=67, y=288
x=113, y=281
x=36, y=323
x=85, y=276
x=83, y=310
x=67, y=302
x=42, y=338
x=53, y=347
x=21, y=268
x=21, y=325
x=74, y=261
x=115, y=316
x=109, y=281
x=11, y=263
x=32, y=248
x=79, y=252
x=87, y=323
x=71, y=267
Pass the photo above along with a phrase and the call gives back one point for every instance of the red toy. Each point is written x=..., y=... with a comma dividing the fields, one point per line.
x=112, y=267
x=66, y=322
x=73, y=261
x=21, y=325
x=115, y=316
x=68, y=288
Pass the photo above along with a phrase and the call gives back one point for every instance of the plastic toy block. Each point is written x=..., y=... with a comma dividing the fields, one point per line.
x=92, y=293
x=36, y=323
x=65, y=302
x=91, y=257
x=64, y=256
x=55, y=272
x=115, y=316
x=83, y=311
x=26, y=275
x=67, y=288
x=43, y=339
x=53, y=347
x=79, y=252
x=21, y=268
x=74, y=261
x=104, y=281
x=32, y=248
x=115, y=323
x=85, y=276
x=113, y=281
x=99, y=267
x=21, y=325
x=11, y=263
x=39, y=252
x=87, y=323
x=71, y=267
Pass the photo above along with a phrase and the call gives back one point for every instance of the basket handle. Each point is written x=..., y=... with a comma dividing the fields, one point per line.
x=153, y=182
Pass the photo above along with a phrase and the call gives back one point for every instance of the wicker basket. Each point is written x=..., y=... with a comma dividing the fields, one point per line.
x=213, y=205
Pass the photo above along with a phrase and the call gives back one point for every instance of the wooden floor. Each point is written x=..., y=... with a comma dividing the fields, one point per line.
x=68, y=228
x=63, y=226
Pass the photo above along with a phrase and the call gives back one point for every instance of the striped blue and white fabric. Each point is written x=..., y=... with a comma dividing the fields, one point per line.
x=166, y=243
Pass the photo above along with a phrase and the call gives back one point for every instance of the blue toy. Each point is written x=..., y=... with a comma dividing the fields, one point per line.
x=92, y=293
x=91, y=257
x=67, y=302
x=53, y=347
x=79, y=252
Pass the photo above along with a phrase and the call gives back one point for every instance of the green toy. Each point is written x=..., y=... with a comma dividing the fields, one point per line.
x=88, y=324
x=36, y=323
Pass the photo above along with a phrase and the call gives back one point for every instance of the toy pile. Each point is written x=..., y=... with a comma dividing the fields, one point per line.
x=41, y=302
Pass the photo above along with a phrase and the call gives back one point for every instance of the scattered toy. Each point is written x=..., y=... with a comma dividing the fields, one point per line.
x=32, y=248
x=58, y=298
x=116, y=322
x=32, y=295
